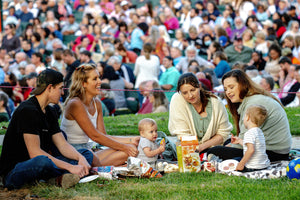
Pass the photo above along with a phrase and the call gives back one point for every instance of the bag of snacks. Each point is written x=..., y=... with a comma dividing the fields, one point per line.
x=188, y=159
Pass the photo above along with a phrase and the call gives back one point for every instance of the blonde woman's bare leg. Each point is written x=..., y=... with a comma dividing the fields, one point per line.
x=109, y=157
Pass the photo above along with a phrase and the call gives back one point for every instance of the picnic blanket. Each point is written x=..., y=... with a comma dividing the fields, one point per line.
x=275, y=170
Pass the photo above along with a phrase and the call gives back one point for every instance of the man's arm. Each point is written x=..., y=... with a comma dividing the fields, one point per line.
x=69, y=151
x=33, y=147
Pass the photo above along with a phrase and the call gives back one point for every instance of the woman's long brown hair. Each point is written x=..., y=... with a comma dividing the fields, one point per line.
x=247, y=88
x=190, y=78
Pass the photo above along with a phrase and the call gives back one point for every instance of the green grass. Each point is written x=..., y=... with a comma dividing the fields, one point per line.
x=203, y=185
x=128, y=124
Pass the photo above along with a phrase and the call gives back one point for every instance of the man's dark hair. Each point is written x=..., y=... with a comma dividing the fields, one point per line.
x=87, y=53
x=39, y=55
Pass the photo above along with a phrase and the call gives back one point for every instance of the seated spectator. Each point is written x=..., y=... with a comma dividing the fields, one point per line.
x=191, y=54
x=267, y=83
x=247, y=38
x=107, y=97
x=239, y=28
x=213, y=48
x=296, y=49
x=279, y=28
x=238, y=52
x=261, y=43
x=176, y=54
x=258, y=61
x=4, y=117
x=170, y=21
x=272, y=66
x=261, y=14
x=179, y=40
x=159, y=101
x=37, y=44
x=287, y=94
x=127, y=55
x=9, y=91
x=124, y=71
x=253, y=73
x=117, y=83
x=145, y=88
x=222, y=66
x=169, y=78
x=71, y=26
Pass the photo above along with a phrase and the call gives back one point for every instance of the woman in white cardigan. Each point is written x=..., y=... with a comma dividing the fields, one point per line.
x=194, y=111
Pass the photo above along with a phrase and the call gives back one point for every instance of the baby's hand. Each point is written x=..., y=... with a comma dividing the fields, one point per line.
x=162, y=146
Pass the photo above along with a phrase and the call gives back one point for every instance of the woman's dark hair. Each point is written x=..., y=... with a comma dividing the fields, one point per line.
x=143, y=26
x=122, y=23
x=109, y=73
x=253, y=17
x=204, y=36
x=105, y=18
x=12, y=78
x=115, y=20
x=37, y=36
x=221, y=55
x=191, y=79
x=276, y=48
x=150, y=8
x=286, y=18
x=8, y=90
x=259, y=53
x=278, y=23
x=214, y=4
x=271, y=31
x=217, y=46
x=247, y=88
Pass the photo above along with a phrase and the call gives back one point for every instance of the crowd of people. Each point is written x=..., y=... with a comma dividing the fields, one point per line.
x=176, y=54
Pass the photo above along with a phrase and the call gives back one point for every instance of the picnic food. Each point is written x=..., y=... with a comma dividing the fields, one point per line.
x=169, y=168
x=188, y=159
x=209, y=167
x=162, y=141
x=228, y=165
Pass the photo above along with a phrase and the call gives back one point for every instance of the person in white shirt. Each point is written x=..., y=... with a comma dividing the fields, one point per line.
x=254, y=145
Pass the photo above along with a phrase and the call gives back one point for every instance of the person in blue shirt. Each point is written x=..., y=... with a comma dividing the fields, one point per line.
x=222, y=66
x=169, y=78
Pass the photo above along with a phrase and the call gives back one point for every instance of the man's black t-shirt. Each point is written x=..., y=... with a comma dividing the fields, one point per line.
x=27, y=118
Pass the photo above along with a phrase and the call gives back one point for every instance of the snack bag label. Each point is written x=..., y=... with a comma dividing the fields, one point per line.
x=189, y=159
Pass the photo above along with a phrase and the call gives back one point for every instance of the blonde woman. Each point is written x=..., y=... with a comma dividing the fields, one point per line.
x=159, y=101
x=296, y=49
x=82, y=119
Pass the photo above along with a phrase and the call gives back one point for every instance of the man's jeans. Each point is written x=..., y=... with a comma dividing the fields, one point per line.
x=39, y=168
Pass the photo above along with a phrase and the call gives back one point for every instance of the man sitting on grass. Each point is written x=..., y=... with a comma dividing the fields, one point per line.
x=34, y=147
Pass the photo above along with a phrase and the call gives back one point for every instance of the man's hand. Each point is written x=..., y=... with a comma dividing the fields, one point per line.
x=79, y=170
x=83, y=162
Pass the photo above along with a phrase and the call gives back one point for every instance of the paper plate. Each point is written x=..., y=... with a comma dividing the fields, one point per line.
x=228, y=165
x=88, y=178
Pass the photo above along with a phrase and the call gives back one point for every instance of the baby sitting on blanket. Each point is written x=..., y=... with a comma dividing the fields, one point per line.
x=148, y=149
x=255, y=157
